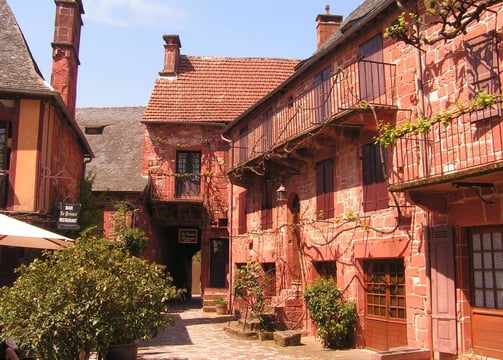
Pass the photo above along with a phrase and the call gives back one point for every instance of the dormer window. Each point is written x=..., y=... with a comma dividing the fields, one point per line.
x=94, y=130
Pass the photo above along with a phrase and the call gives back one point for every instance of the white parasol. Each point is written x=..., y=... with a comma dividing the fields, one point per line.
x=14, y=232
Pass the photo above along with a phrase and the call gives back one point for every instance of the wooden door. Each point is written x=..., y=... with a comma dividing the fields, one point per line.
x=219, y=262
x=385, y=308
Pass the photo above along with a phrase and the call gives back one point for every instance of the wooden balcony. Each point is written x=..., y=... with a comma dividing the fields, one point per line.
x=466, y=152
x=349, y=98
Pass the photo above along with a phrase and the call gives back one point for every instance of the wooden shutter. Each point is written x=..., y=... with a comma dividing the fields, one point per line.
x=242, y=225
x=375, y=187
x=371, y=69
x=325, y=202
x=443, y=291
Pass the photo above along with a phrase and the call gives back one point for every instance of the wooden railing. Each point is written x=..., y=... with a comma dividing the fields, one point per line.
x=464, y=144
x=362, y=81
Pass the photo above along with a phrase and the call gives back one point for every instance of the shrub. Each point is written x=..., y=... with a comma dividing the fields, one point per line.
x=334, y=316
x=249, y=285
x=84, y=298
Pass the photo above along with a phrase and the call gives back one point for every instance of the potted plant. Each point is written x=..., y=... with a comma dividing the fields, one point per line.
x=84, y=299
x=249, y=286
x=220, y=306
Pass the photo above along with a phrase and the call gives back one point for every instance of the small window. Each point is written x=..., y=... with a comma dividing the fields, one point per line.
x=270, y=279
x=325, y=269
x=94, y=130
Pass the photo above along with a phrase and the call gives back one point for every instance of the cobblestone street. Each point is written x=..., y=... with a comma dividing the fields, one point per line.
x=199, y=335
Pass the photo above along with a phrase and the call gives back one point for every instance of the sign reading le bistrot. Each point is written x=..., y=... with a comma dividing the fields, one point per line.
x=68, y=216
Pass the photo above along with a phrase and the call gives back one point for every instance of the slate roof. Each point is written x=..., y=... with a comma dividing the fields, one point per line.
x=214, y=89
x=118, y=150
x=18, y=70
x=19, y=73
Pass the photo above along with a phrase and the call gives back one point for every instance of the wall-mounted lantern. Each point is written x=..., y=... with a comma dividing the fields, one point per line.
x=281, y=193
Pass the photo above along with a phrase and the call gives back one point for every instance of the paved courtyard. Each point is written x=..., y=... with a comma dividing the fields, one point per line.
x=200, y=336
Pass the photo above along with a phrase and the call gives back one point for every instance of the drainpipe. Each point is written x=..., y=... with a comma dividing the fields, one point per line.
x=231, y=217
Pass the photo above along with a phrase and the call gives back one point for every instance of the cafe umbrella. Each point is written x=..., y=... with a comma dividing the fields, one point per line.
x=18, y=233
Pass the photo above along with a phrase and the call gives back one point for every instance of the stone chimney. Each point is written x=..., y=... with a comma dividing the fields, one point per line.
x=65, y=50
x=327, y=24
x=171, y=55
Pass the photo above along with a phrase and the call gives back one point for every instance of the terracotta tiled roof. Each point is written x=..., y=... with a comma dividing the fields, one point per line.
x=212, y=89
x=118, y=149
x=18, y=70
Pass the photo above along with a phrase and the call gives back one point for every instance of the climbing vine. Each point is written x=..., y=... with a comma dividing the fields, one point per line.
x=452, y=16
x=387, y=134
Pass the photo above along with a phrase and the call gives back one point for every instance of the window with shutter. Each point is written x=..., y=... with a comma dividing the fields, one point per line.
x=242, y=225
x=371, y=69
x=322, y=90
x=267, y=205
x=325, y=202
x=243, y=144
x=267, y=130
x=375, y=191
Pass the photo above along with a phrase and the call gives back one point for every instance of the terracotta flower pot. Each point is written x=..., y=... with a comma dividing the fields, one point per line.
x=221, y=309
x=122, y=352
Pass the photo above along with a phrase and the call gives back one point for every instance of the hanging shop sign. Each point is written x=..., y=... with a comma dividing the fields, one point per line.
x=187, y=236
x=68, y=216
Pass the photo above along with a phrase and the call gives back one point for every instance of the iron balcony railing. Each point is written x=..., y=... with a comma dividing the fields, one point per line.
x=176, y=187
x=363, y=81
x=463, y=145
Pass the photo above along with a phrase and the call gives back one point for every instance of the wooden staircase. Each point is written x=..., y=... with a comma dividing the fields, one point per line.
x=210, y=294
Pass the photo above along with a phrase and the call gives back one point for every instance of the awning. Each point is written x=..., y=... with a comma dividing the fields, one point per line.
x=17, y=233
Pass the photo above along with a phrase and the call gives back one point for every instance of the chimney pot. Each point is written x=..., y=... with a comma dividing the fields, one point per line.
x=171, y=55
x=327, y=24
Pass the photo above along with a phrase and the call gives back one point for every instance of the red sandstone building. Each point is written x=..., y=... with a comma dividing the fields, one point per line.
x=281, y=165
x=42, y=150
x=412, y=232
x=185, y=157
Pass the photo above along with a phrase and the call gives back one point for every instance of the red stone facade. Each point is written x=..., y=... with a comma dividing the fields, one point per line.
x=411, y=232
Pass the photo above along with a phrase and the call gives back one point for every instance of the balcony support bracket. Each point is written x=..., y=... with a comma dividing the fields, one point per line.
x=475, y=187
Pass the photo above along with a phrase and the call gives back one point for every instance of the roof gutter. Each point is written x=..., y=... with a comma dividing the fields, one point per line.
x=55, y=97
x=313, y=59
x=181, y=122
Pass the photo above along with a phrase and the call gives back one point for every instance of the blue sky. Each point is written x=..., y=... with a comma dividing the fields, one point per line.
x=122, y=47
